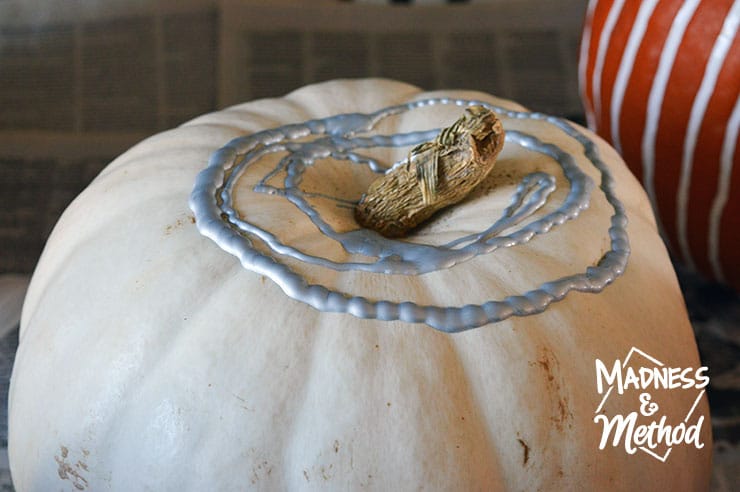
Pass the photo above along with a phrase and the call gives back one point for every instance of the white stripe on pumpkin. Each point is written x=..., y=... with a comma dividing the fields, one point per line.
x=657, y=93
x=723, y=189
x=604, y=39
x=626, y=64
x=583, y=62
x=698, y=109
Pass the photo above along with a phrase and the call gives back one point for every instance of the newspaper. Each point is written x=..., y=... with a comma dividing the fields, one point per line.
x=12, y=290
x=141, y=68
x=146, y=66
x=521, y=49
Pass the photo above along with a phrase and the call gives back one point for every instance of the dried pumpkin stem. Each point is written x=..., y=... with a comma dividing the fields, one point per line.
x=435, y=175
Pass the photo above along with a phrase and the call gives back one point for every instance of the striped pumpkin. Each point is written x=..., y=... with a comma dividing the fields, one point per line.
x=660, y=81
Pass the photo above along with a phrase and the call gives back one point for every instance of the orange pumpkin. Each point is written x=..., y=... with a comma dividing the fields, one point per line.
x=660, y=81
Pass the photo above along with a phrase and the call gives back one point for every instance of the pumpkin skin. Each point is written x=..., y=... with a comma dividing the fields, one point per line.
x=661, y=82
x=149, y=359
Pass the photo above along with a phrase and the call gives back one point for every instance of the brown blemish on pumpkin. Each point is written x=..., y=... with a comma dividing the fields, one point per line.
x=245, y=407
x=562, y=415
x=525, y=447
x=545, y=364
x=336, y=446
x=262, y=468
x=169, y=229
x=325, y=472
x=563, y=407
x=73, y=473
x=305, y=475
x=368, y=483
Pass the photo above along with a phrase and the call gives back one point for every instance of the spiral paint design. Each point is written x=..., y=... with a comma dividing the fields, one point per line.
x=343, y=138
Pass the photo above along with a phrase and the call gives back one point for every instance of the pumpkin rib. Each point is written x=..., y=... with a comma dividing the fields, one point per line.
x=495, y=469
x=294, y=452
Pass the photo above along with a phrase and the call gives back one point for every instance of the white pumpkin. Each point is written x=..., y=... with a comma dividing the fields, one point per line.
x=150, y=358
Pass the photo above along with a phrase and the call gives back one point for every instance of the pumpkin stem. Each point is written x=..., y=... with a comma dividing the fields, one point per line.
x=435, y=175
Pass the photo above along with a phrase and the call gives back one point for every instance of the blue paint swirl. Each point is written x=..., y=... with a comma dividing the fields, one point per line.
x=342, y=138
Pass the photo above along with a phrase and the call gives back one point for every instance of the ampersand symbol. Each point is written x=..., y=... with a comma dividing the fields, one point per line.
x=647, y=408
